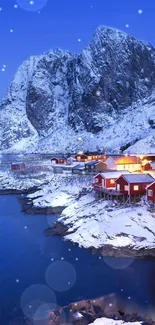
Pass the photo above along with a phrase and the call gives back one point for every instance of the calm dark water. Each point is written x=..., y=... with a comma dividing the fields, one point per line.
x=25, y=255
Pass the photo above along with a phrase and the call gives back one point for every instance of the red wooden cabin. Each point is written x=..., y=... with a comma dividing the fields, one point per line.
x=133, y=184
x=18, y=166
x=58, y=160
x=151, y=192
x=107, y=180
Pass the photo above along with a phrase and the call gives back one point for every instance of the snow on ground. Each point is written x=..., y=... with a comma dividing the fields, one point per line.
x=107, y=321
x=10, y=180
x=61, y=191
x=99, y=223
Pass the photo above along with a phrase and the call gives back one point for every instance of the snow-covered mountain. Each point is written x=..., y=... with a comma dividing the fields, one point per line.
x=101, y=98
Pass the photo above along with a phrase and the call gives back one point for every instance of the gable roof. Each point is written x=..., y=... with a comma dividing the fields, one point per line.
x=138, y=178
x=78, y=167
x=122, y=160
x=151, y=184
x=92, y=162
x=58, y=157
x=111, y=175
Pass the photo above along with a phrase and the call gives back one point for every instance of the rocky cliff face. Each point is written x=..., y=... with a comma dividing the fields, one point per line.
x=59, y=101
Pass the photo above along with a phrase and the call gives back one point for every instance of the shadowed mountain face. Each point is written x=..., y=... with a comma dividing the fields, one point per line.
x=82, y=94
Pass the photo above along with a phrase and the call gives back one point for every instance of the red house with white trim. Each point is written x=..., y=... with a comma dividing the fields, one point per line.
x=133, y=184
x=107, y=180
x=151, y=192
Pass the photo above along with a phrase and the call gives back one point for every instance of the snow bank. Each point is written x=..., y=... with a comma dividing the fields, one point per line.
x=96, y=223
x=106, y=321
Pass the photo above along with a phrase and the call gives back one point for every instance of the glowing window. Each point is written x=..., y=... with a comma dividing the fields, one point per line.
x=112, y=181
x=126, y=187
x=136, y=187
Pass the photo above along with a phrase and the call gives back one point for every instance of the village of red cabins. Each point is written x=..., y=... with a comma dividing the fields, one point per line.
x=115, y=175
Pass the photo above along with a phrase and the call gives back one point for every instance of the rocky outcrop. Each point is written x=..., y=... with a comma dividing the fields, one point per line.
x=86, y=311
x=59, y=101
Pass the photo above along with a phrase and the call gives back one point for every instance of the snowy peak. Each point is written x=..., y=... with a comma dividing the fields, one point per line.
x=58, y=93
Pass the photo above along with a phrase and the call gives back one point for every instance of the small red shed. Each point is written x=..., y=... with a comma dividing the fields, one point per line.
x=107, y=180
x=58, y=160
x=133, y=184
x=151, y=192
x=18, y=166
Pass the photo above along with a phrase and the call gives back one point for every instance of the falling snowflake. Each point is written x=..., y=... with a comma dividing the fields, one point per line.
x=31, y=2
x=15, y=6
x=129, y=298
x=110, y=305
x=4, y=65
x=52, y=259
x=80, y=138
x=127, y=25
x=62, y=258
x=0, y=9
x=11, y=30
x=17, y=280
x=98, y=93
x=76, y=259
x=140, y=11
x=69, y=249
x=25, y=227
x=3, y=69
x=79, y=39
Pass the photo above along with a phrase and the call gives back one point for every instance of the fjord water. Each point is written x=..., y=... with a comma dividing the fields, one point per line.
x=26, y=253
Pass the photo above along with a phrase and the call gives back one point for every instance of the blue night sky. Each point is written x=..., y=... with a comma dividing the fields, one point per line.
x=33, y=27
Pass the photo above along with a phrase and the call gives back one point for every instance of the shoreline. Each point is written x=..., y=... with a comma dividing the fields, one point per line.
x=58, y=229
x=61, y=230
x=109, y=307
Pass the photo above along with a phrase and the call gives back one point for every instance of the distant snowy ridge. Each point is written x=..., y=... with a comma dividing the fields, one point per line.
x=103, y=98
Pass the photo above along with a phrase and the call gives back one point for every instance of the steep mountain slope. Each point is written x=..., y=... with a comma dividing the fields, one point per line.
x=100, y=98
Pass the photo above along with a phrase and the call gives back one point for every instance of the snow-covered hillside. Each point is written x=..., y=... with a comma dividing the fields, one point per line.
x=101, y=98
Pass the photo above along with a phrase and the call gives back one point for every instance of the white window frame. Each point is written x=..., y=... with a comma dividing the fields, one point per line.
x=137, y=188
x=150, y=193
x=96, y=180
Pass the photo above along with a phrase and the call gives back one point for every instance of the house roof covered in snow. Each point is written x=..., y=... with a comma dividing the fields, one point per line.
x=112, y=174
x=151, y=184
x=138, y=178
x=126, y=160
x=92, y=162
x=78, y=167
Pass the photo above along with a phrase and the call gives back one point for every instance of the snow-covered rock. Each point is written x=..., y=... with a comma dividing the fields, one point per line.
x=101, y=98
x=108, y=321
x=108, y=227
